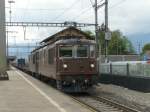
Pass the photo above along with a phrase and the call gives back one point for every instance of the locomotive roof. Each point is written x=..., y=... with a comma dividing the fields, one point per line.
x=67, y=38
x=75, y=41
x=66, y=41
x=57, y=35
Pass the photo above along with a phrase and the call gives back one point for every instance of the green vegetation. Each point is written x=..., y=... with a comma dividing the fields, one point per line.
x=118, y=45
x=91, y=35
x=146, y=48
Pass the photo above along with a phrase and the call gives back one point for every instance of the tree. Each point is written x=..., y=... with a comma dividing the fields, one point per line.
x=118, y=45
x=146, y=48
x=101, y=37
x=129, y=49
x=90, y=34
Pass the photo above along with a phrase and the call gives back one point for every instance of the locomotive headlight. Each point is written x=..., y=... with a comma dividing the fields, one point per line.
x=65, y=65
x=86, y=81
x=74, y=81
x=92, y=65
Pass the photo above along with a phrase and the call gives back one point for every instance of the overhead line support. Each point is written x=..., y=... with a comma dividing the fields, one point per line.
x=42, y=24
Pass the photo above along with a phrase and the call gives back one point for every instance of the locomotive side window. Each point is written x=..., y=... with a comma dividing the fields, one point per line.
x=65, y=51
x=33, y=58
x=50, y=56
x=82, y=51
x=44, y=56
x=92, y=51
x=29, y=58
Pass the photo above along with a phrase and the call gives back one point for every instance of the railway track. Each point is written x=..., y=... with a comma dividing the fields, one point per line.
x=99, y=104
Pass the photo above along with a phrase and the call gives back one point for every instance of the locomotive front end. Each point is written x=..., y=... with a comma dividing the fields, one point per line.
x=76, y=66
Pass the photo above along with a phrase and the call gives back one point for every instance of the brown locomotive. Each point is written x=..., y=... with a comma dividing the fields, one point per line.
x=68, y=58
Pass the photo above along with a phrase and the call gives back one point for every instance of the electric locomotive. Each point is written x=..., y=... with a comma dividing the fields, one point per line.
x=68, y=58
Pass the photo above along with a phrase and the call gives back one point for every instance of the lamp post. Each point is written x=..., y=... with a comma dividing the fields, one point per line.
x=10, y=12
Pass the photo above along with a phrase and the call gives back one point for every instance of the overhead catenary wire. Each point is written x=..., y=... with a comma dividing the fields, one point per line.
x=117, y=4
x=66, y=10
x=82, y=12
x=91, y=2
x=111, y=7
x=87, y=9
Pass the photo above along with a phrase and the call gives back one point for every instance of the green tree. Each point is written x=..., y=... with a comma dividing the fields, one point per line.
x=101, y=37
x=118, y=45
x=146, y=48
x=129, y=49
x=90, y=34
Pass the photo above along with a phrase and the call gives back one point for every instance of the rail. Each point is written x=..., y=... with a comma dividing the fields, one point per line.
x=100, y=104
x=117, y=105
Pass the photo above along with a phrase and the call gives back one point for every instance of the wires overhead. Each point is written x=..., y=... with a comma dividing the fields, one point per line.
x=87, y=9
x=116, y=4
x=82, y=12
x=91, y=2
x=67, y=9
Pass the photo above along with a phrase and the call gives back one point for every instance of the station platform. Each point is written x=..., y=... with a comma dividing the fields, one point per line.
x=23, y=93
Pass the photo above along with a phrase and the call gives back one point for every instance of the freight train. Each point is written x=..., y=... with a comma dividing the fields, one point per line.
x=68, y=59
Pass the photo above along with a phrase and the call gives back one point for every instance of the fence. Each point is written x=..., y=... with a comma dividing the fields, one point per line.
x=138, y=69
x=114, y=58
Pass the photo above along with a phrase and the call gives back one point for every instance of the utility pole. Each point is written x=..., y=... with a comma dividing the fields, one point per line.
x=96, y=34
x=106, y=15
x=96, y=26
x=10, y=11
x=106, y=30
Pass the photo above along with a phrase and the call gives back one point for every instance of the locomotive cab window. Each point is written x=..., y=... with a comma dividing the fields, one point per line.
x=82, y=51
x=65, y=51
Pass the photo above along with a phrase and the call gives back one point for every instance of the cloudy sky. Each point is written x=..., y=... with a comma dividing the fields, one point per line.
x=130, y=16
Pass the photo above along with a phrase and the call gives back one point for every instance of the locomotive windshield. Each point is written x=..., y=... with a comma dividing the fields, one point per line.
x=77, y=51
x=82, y=51
x=65, y=51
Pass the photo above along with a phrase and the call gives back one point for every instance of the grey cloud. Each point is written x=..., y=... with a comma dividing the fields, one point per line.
x=128, y=16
